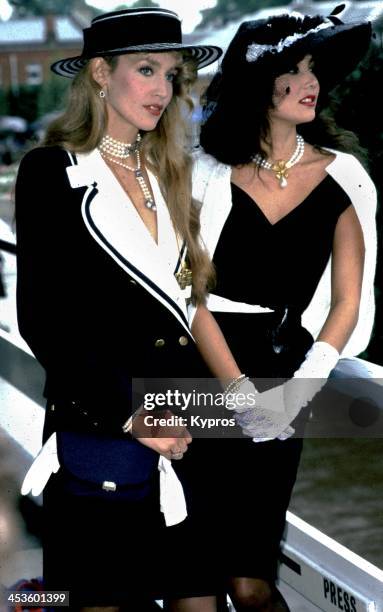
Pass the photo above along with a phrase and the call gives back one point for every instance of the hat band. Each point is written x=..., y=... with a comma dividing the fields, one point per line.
x=254, y=51
x=120, y=35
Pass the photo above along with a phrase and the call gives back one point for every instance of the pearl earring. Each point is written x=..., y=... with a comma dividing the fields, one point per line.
x=101, y=93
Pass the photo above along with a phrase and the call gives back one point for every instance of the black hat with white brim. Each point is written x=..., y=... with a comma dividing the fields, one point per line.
x=134, y=31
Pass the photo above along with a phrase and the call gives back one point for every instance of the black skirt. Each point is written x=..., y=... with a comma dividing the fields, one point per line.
x=239, y=490
x=103, y=552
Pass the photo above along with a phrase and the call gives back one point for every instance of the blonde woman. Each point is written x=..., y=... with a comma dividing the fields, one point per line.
x=108, y=253
x=104, y=223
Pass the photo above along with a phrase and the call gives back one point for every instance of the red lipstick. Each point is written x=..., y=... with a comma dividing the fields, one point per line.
x=308, y=101
x=154, y=109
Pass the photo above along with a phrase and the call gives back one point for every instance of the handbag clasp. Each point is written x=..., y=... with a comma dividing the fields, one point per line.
x=109, y=486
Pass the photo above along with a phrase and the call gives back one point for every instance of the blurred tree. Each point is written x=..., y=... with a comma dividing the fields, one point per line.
x=25, y=103
x=137, y=4
x=144, y=3
x=226, y=10
x=357, y=107
x=52, y=95
x=3, y=103
x=26, y=8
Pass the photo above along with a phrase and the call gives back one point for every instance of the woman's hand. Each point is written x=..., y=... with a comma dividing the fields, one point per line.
x=171, y=448
x=44, y=465
x=167, y=439
x=268, y=418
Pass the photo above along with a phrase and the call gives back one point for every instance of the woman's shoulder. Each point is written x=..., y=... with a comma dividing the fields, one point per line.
x=206, y=171
x=43, y=157
x=205, y=166
x=204, y=161
x=347, y=161
x=354, y=179
x=45, y=168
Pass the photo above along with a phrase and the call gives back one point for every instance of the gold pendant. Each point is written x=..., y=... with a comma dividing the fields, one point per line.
x=281, y=173
x=184, y=276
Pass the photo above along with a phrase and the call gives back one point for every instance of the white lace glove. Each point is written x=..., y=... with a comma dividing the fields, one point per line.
x=262, y=416
x=44, y=465
x=310, y=377
x=307, y=381
x=285, y=435
x=276, y=408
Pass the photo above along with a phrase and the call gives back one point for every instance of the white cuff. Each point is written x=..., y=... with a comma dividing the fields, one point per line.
x=320, y=360
x=172, y=498
x=44, y=465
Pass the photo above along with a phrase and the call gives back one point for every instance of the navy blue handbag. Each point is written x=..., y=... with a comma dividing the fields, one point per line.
x=100, y=466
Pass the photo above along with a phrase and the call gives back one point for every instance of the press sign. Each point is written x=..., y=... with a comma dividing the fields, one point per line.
x=321, y=589
x=341, y=599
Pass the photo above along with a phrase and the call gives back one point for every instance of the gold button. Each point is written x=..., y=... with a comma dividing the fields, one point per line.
x=160, y=342
x=183, y=341
x=132, y=281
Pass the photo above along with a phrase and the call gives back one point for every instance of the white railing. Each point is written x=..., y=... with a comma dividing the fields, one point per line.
x=321, y=573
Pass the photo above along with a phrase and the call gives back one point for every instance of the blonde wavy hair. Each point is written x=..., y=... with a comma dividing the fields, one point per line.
x=165, y=149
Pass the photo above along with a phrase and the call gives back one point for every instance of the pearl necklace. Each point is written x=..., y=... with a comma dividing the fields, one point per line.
x=280, y=167
x=117, y=148
x=149, y=201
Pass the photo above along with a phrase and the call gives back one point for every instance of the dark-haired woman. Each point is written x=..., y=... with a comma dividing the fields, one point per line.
x=288, y=218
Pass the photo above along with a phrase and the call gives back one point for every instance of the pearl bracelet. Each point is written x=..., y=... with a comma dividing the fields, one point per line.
x=128, y=425
x=235, y=384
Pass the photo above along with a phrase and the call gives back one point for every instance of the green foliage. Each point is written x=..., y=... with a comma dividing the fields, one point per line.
x=137, y=4
x=33, y=101
x=52, y=95
x=24, y=8
x=144, y=3
x=25, y=103
x=226, y=10
x=3, y=103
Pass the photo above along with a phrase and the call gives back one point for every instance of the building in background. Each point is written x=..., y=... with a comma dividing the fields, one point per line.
x=28, y=47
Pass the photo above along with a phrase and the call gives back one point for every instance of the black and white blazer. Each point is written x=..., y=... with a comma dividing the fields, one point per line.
x=97, y=299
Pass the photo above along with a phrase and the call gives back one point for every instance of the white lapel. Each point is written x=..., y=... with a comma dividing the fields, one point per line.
x=168, y=244
x=211, y=186
x=115, y=224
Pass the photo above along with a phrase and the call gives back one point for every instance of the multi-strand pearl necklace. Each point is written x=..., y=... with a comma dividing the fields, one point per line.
x=114, y=147
x=109, y=146
x=281, y=167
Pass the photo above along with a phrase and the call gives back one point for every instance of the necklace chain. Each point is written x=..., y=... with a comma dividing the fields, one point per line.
x=111, y=147
x=281, y=167
x=138, y=174
x=183, y=274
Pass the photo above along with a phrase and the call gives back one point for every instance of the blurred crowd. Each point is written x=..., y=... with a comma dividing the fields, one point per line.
x=17, y=135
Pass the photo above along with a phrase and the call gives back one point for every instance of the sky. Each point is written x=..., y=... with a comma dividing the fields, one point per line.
x=187, y=10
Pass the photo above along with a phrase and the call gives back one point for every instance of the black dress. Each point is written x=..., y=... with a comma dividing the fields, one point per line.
x=277, y=266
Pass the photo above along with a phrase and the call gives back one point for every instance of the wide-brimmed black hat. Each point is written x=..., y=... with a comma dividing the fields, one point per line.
x=274, y=44
x=134, y=31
